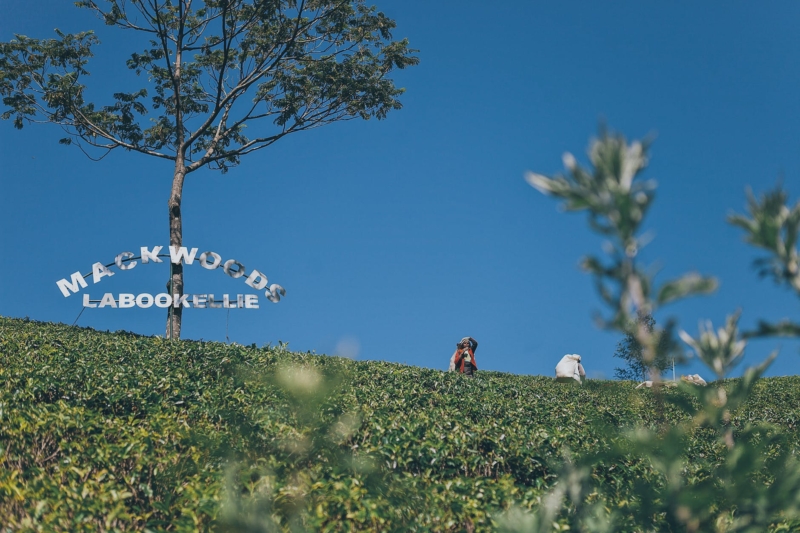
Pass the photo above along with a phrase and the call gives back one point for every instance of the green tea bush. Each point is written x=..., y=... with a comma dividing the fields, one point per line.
x=118, y=432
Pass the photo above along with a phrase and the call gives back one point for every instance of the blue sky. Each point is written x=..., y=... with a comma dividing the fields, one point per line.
x=399, y=237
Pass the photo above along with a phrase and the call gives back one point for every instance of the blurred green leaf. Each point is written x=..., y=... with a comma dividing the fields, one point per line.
x=688, y=285
x=784, y=328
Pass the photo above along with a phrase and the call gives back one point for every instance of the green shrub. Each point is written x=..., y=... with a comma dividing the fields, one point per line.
x=111, y=431
x=118, y=432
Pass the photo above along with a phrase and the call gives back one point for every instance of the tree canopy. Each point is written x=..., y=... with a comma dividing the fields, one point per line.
x=302, y=65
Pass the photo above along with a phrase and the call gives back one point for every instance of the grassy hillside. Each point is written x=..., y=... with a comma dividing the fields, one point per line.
x=118, y=432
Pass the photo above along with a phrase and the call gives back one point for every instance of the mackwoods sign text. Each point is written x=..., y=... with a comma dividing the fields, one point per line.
x=208, y=260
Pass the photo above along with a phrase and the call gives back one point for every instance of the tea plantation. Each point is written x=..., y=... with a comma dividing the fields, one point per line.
x=119, y=432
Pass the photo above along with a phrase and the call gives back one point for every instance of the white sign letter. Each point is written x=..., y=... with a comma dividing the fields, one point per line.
x=176, y=254
x=121, y=257
x=257, y=285
x=74, y=284
x=144, y=300
x=86, y=302
x=204, y=260
x=99, y=271
x=272, y=293
x=251, y=301
x=163, y=300
x=108, y=300
x=126, y=300
x=179, y=300
x=233, y=273
x=148, y=255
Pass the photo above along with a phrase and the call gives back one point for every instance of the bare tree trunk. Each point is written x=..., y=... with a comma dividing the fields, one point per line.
x=174, y=204
x=175, y=312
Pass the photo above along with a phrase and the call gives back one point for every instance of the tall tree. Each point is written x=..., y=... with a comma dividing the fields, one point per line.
x=215, y=71
x=630, y=350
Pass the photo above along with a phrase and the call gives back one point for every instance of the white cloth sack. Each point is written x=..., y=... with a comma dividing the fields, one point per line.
x=570, y=368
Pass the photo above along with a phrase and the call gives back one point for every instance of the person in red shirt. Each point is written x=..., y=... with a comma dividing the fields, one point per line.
x=464, y=357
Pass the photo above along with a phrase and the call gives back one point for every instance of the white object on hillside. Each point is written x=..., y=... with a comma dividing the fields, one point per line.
x=570, y=368
x=695, y=379
x=649, y=384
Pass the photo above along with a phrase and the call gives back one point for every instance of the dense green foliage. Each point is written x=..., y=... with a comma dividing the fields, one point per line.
x=118, y=432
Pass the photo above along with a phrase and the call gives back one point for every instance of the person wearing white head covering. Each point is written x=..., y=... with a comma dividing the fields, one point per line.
x=463, y=358
x=570, y=368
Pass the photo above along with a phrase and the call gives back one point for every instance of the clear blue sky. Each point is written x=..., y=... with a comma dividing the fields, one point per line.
x=402, y=236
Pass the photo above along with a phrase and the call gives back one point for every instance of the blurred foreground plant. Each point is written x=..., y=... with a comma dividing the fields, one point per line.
x=757, y=485
x=774, y=226
x=617, y=201
x=293, y=485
